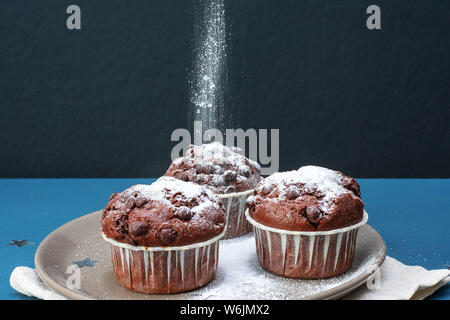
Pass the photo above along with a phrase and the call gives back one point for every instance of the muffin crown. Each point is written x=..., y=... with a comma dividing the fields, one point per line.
x=168, y=212
x=222, y=169
x=310, y=198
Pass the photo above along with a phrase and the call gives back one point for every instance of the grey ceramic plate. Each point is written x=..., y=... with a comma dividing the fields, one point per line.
x=239, y=275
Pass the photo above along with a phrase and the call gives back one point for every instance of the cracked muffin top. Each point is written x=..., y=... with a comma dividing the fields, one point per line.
x=168, y=212
x=220, y=168
x=308, y=199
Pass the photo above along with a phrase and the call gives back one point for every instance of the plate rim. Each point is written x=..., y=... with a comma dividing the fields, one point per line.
x=46, y=278
x=333, y=293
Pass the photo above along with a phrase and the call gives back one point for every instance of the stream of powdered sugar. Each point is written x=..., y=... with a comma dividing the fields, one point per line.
x=208, y=73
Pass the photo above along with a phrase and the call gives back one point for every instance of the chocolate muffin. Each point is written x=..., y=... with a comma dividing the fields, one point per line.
x=306, y=222
x=165, y=236
x=225, y=171
x=222, y=169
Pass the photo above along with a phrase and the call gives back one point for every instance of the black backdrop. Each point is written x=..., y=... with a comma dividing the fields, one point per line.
x=104, y=100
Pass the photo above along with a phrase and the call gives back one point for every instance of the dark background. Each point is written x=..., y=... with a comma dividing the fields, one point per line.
x=103, y=101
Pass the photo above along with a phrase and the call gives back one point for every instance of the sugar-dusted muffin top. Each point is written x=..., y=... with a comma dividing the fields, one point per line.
x=220, y=168
x=168, y=212
x=308, y=199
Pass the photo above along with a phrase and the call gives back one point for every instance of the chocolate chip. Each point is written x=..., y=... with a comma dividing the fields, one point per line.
x=245, y=171
x=267, y=188
x=113, y=196
x=205, y=168
x=292, y=193
x=122, y=221
x=218, y=181
x=230, y=189
x=129, y=204
x=167, y=236
x=219, y=170
x=181, y=176
x=250, y=202
x=138, y=229
x=140, y=201
x=183, y=213
x=313, y=214
x=229, y=175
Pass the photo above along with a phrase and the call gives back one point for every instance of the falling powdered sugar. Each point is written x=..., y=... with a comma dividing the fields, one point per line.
x=222, y=168
x=222, y=155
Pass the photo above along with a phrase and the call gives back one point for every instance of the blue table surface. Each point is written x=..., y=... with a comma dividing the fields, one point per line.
x=412, y=215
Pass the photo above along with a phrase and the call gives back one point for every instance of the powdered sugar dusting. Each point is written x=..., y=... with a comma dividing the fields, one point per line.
x=223, y=169
x=241, y=277
x=312, y=179
x=239, y=274
x=165, y=187
x=221, y=154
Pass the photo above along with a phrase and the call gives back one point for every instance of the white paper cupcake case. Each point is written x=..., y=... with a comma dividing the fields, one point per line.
x=161, y=270
x=307, y=255
x=234, y=203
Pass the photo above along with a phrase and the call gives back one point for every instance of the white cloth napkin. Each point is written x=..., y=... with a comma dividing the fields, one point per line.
x=395, y=281
x=26, y=281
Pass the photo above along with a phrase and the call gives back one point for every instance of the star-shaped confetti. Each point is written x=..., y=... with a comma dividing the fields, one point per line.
x=86, y=262
x=20, y=243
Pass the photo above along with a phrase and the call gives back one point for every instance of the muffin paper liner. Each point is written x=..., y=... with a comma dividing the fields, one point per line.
x=305, y=254
x=234, y=203
x=162, y=270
